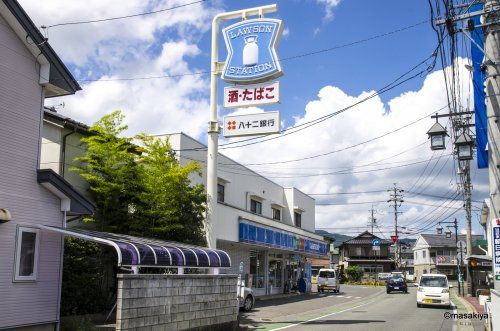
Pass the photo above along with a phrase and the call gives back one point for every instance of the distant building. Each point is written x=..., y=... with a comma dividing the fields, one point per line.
x=405, y=261
x=358, y=251
x=435, y=253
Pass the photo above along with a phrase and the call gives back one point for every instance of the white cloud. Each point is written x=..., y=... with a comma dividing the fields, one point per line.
x=329, y=5
x=112, y=41
x=145, y=46
x=286, y=32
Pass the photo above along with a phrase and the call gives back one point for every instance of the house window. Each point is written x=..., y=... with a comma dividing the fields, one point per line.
x=276, y=214
x=424, y=255
x=298, y=219
x=26, y=254
x=255, y=206
x=220, y=193
x=358, y=251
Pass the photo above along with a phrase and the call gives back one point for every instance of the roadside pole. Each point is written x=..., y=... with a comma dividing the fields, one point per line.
x=468, y=226
x=492, y=51
x=213, y=124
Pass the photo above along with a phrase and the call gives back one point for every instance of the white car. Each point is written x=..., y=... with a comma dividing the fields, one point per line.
x=247, y=299
x=327, y=280
x=433, y=289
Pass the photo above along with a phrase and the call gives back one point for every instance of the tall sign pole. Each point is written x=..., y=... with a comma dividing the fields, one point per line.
x=213, y=124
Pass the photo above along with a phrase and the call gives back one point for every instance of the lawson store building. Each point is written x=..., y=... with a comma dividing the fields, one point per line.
x=267, y=229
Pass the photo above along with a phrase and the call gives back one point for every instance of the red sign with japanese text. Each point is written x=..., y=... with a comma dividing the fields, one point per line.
x=251, y=95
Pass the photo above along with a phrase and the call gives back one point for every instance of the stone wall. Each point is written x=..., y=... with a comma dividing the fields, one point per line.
x=176, y=302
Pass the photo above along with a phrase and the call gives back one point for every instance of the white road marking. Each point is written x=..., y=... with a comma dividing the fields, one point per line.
x=317, y=318
x=348, y=297
x=340, y=296
x=357, y=298
x=364, y=287
x=454, y=327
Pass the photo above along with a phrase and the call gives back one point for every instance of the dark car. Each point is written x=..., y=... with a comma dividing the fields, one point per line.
x=396, y=284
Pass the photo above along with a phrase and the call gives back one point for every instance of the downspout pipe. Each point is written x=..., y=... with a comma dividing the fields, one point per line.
x=62, y=167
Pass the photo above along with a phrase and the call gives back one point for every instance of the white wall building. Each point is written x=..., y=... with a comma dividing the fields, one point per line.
x=268, y=230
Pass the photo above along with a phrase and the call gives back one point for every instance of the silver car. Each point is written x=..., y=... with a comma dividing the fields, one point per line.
x=247, y=301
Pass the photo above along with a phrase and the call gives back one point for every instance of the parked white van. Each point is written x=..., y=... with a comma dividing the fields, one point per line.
x=327, y=280
x=433, y=289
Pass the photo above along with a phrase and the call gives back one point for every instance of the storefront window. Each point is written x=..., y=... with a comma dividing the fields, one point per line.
x=275, y=273
x=257, y=269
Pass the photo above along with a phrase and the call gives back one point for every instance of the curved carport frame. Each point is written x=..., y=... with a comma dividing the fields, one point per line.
x=137, y=252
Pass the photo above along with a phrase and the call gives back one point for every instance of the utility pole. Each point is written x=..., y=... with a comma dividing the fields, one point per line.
x=396, y=197
x=468, y=227
x=492, y=51
x=373, y=220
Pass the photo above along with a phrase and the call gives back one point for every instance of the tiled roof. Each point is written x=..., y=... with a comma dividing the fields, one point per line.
x=365, y=238
x=437, y=240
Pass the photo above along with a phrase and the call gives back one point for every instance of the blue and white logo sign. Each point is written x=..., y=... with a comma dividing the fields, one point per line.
x=251, y=47
x=376, y=242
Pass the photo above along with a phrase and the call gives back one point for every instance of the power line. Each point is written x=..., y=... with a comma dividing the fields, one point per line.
x=122, y=17
x=342, y=149
x=308, y=124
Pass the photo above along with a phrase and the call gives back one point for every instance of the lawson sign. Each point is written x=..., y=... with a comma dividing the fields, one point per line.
x=251, y=51
x=264, y=236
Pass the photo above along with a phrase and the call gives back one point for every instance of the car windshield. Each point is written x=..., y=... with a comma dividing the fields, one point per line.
x=396, y=280
x=327, y=274
x=434, y=282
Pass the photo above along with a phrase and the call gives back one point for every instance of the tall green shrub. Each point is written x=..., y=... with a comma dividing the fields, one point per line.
x=354, y=273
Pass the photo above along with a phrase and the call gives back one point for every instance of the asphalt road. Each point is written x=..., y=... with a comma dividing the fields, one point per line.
x=356, y=308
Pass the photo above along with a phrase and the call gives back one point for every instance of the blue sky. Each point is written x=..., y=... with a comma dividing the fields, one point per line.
x=178, y=42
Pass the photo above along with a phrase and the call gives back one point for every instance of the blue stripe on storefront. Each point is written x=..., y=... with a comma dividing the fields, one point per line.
x=267, y=237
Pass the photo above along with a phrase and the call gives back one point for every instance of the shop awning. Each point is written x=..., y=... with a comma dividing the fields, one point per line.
x=144, y=252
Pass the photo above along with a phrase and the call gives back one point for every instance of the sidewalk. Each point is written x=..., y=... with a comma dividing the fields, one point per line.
x=467, y=305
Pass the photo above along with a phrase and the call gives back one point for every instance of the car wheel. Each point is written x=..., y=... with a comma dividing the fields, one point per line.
x=406, y=291
x=248, y=304
x=388, y=291
x=419, y=305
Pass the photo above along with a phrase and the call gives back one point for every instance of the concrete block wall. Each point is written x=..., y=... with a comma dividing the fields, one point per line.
x=176, y=302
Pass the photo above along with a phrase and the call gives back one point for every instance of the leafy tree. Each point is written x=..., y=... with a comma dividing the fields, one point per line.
x=354, y=273
x=84, y=276
x=171, y=206
x=110, y=167
x=141, y=189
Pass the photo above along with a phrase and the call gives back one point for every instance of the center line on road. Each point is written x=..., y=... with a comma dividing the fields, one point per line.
x=317, y=318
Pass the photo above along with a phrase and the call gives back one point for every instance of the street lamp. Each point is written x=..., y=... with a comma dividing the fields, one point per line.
x=448, y=233
x=437, y=134
x=464, y=145
x=439, y=229
x=454, y=224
